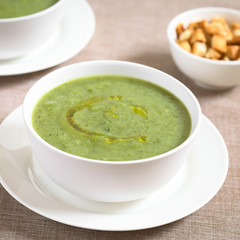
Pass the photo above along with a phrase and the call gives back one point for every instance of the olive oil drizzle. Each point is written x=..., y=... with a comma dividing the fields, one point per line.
x=70, y=114
x=109, y=139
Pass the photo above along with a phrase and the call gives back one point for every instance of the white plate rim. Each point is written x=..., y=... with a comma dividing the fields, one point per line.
x=117, y=225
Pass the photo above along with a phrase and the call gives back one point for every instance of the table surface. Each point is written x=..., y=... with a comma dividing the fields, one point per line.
x=135, y=30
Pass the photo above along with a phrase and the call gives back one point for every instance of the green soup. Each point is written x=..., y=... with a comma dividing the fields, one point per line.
x=114, y=118
x=19, y=8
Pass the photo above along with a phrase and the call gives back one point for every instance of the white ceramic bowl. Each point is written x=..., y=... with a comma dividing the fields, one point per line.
x=207, y=73
x=21, y=35
x=109, y=181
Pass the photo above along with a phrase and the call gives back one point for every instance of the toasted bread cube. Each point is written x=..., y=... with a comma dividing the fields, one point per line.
x=185, y=45
x=179, y=29
x=235, y=25
x=199, y=48
x=219, y=26
x=185, y=35
x=198, y=36
x=229, y=35
x=203, y=24
x=233, y=52
x=234, y=40
x=194, y=25
x=225, y=58
x=219, y=43
x=218, y=19
x=212, y=54
x=236, y=32
x=208, y=39
x=215, y=28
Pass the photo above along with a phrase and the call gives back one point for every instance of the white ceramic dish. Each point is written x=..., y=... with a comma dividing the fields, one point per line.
x=211, y=74
x=198, y=181
x=20, y=35
x=109, y=181
x=74, y=33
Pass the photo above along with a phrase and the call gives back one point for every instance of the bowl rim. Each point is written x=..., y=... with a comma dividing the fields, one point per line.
x=172, y=25
x=33, y=15
x=136, y=161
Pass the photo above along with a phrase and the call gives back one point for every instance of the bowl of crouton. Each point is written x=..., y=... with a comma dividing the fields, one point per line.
x=205, y=46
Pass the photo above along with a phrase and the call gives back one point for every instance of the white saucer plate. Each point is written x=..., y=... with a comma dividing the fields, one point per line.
x=198, y=181
x=74, y=33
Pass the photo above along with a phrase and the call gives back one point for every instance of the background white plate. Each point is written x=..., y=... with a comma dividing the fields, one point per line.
x=197, y=182
x=73, y=35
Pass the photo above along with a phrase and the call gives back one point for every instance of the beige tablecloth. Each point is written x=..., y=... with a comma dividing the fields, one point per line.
x=135, y=30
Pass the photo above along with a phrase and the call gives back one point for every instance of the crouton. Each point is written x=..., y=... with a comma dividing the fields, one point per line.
x=218, y=19
x=225, y=58
x=215, y=28
x=185, y=45
x=233, y=52
x=236, y=32
x=235, y=25
x=185, y=35
x=199, y=48
x=179, y=29
x=228, y=33
x=234, y=40
x=219, y=43
x=203, y=24
x=194, y=25
x=212, y=54
x=198, y=36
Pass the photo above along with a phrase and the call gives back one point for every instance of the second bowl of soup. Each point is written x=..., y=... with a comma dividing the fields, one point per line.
x=27, y=25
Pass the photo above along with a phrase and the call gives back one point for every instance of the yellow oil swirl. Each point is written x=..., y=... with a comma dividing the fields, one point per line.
x=70, y=114
x=142, y=138
x=92, y=101
x=139, y=110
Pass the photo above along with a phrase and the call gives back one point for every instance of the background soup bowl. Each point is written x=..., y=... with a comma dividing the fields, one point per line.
x=211, y=74
x=20, y=35
x=109, y=181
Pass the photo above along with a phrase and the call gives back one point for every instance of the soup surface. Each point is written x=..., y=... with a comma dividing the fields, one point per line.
x=19, y=8
x=114, y=118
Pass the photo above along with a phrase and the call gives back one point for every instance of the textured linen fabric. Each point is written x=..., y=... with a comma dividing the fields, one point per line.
x=135, y=30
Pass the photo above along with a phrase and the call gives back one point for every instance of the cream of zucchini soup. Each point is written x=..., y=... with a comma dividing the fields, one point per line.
x=112, y=118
